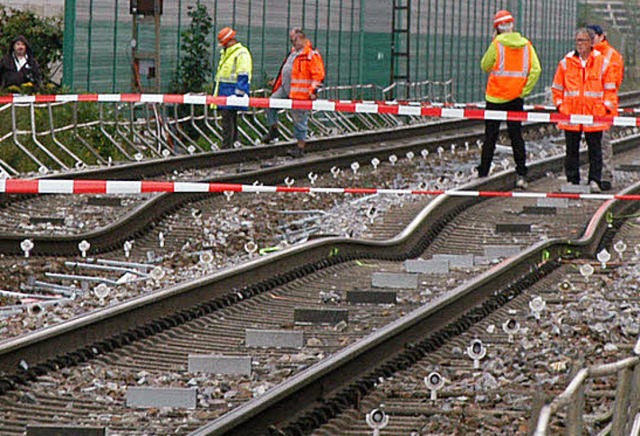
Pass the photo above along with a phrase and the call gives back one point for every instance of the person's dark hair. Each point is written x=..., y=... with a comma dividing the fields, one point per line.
x=597, y=29
x=21, y=39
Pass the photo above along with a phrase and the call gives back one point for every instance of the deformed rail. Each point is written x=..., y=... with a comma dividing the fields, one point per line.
x=135, y=223
x=351, y=373
x=344, y=151
x=80, y=339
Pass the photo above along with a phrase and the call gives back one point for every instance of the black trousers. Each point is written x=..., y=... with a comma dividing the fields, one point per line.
x=229, y=127
x=491, y=132
x=572, y=158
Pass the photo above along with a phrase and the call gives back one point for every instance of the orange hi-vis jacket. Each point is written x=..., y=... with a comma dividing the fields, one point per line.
x=307, y=73
x=510, y=72
x=588, y=90
x=613, y=59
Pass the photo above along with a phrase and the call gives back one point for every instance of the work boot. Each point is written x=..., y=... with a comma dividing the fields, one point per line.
x=521, y=182
x=271, y=134
x=605, y=185
x=297, y=151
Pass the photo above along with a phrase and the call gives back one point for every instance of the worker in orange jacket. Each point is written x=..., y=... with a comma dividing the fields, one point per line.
x=583, y=85
x=615, y=61
x=514, y=69
x=299, y=78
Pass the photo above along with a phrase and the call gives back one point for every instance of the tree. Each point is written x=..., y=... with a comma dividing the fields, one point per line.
x=44, y=36
x=194, y=67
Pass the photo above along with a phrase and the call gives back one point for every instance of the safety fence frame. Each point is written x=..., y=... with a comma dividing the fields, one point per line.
x=623, y=416
x=60, y=136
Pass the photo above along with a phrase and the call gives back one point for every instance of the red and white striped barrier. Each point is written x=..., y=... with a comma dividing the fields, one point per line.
x=391, y=108
x=26, y=186
x=526, y=107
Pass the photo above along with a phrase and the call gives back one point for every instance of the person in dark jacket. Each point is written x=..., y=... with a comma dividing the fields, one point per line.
x=19, y=66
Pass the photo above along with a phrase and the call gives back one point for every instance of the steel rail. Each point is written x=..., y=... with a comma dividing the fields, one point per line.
x=327, y=386
x=80, y=339
x=138, y=220
x=74, y=341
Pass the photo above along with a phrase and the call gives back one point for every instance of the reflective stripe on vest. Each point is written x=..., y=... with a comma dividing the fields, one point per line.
x=606, y=62
x=594, y=94
x=510, y=72
x=233, y=55
x=298, y=89
x=501, y=71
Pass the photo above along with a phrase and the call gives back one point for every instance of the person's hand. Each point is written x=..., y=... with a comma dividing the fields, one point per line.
x=271, y=82
x=313, y=96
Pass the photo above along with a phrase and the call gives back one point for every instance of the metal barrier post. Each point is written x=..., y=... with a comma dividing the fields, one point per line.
x=634, y=398
x=55, y=140
x=196, y=128
x=115, y=143
x=575, y=409
x=14, y=127
x=80, y=139
x=53, y=157
x=621, y=405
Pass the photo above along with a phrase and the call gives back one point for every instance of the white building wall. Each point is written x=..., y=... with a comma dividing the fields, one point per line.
x=45, y=8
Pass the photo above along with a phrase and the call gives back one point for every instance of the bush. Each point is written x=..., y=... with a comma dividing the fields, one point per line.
x=194, y=67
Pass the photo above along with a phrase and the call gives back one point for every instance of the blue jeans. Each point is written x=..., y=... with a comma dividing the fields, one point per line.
x=299, y=117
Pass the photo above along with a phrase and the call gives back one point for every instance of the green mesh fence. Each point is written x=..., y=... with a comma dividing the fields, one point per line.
x=448, y=38
x=620, y=19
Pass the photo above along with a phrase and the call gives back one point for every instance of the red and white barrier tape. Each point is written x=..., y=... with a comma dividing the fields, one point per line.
x=25, y=186
x=329, y=105
x=527, y=107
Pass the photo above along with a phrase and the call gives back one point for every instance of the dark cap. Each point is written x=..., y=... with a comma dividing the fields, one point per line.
x=596, y=29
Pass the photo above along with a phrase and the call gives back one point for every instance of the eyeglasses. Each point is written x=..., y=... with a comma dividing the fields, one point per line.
x=582, y=40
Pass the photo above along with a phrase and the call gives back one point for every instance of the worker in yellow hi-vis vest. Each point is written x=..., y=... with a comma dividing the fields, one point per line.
x=233, y=77
x=514, y=69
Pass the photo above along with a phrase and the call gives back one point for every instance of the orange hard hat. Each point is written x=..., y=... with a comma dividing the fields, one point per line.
x=502, y=17
x=225, y=35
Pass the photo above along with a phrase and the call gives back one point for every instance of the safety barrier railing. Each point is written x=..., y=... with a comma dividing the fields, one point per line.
x=623, y=416
x=59, y=136
x=428, y=91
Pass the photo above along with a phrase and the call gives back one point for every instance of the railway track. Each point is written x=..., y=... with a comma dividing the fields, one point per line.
x=392, y=363
x=539, y=359
x=46, y=221
x=222, y=230
x=148, y=338
x=264, y=164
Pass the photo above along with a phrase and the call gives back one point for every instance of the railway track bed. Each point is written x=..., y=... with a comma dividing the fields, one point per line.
x=93, y=389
